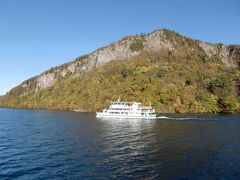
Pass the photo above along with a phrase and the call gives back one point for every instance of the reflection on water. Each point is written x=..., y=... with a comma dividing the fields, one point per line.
x=67, y=145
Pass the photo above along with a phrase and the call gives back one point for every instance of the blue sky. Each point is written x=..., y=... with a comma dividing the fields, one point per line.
x=38, y=34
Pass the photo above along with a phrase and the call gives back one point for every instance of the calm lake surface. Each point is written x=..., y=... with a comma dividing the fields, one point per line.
x=37, y=144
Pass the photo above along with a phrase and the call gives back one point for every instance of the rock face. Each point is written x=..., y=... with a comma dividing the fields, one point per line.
x=230, y=55
x=126, y=48
x=45, y=80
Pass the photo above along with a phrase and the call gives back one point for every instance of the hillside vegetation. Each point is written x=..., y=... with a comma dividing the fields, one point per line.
x=182, y=81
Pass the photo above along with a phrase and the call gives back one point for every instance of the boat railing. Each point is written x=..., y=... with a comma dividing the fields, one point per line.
x=123, y=103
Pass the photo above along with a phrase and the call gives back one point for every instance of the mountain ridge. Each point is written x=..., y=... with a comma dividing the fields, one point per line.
x=98, y=58
x=127, y=48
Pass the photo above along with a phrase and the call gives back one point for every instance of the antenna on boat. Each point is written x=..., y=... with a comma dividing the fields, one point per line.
x=150, y=104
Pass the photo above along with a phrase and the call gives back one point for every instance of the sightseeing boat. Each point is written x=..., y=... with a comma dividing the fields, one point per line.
x=127, y=110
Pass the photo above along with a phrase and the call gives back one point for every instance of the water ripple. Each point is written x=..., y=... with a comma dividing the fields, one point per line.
x=65, y=145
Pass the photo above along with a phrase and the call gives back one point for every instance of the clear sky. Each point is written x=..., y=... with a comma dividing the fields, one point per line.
x=38, y=34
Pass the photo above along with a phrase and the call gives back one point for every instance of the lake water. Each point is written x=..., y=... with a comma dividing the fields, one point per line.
x=37, y=144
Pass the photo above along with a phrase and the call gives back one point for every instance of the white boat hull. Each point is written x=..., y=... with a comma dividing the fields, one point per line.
x=122, y=116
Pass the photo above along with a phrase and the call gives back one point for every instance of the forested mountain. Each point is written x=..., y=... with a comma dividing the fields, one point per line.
x=173, y=72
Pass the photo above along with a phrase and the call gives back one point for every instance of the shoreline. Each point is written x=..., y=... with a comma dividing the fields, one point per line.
x=84, y=111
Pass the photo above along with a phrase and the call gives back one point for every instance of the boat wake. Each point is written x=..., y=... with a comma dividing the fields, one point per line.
x=178, y=118
x=163, y=117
